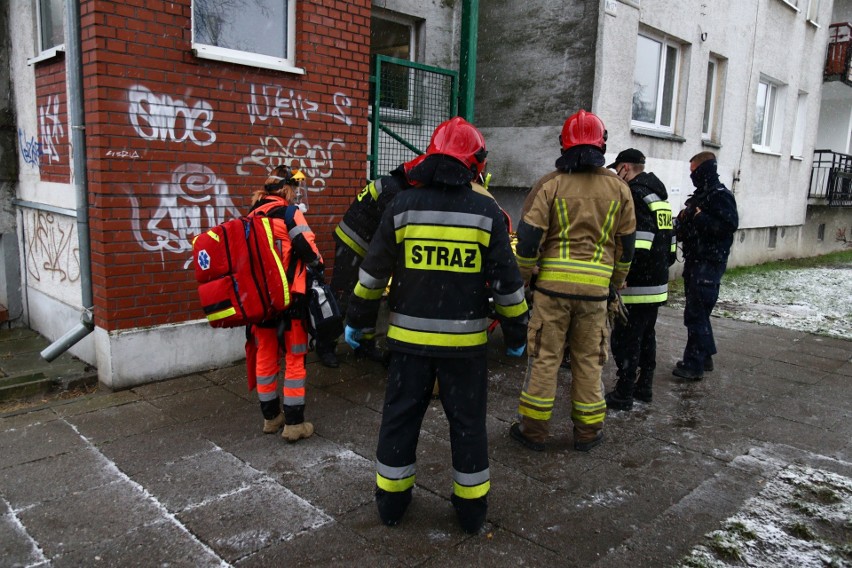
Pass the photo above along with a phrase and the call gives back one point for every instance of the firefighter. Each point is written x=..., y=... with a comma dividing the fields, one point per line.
x=443, y=244
x=288, y=333
x=352, y=239
x=634, y=343
x=578, y=226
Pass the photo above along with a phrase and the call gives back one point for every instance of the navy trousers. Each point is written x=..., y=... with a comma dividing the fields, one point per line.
x=701, y=285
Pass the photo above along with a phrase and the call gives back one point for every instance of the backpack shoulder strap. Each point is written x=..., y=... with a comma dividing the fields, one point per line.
x=288, y=214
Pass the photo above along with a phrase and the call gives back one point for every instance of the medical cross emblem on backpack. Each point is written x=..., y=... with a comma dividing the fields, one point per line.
x=203, y=260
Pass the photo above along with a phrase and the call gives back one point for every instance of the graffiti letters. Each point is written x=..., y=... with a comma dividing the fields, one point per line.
x=314, y=160
x=132, y=154
x=194, y=199
x=271, y=102
x=51, y=247
x=51, y=130
x=160, y=117
x=30, y=149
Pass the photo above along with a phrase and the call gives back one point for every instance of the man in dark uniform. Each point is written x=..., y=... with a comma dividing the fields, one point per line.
x=634, y=343
x=448, y=251
x=706, y=228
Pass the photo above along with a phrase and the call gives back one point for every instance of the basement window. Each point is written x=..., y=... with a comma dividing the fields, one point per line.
x=260, y=33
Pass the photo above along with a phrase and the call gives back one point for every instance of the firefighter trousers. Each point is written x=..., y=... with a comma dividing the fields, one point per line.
x=463, y=392
x=583, y=322
x=634, y=349
x=269, y=348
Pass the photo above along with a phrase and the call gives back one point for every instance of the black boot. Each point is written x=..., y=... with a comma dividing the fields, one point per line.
x=616, y=401
x=643, y=389
x=392, y=506
x=471, y=512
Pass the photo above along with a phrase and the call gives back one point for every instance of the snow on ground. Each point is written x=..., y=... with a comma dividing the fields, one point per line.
x=800, y=519
x=814, y=300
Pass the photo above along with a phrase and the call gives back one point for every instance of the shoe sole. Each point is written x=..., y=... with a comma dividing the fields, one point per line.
x=586, y=446
x=518, y=437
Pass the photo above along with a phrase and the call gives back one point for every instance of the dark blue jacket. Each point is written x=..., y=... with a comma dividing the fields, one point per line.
x=707, y=235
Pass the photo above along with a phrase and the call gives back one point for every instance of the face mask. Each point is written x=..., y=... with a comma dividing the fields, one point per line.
x=300, y=198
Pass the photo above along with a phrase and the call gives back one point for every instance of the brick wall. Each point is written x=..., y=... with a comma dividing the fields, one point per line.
x=53, y=134
x=177, y=144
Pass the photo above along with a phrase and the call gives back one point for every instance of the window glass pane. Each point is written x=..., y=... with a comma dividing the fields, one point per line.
x=666, y=116
x=51, y=23
x=771, y=91
x=394, y=40
x=759, y=111
x=708, y=97
x=646, y=79
x=254, y=26
x=813, y=10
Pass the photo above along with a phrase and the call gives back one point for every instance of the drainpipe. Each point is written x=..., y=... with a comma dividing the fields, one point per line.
x=467, y=58
x=76, y=118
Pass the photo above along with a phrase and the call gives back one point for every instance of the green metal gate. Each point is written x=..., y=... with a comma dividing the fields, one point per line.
x=412, y=99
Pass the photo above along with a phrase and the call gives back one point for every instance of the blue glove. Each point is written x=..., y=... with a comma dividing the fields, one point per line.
x=516, y=351
x=352, y=336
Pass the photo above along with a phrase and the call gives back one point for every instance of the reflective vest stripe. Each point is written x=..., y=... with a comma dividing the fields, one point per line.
x=437, y=325
x=282, y=274
x=644, y=240
x=221, y=314
x=394, y=479
x=609, y=222
x=645, y=299
x=437, y=339
x=512, y=311
x=376, y=189
x=368, y=293
x=674, y=244
x=352, y=240
x=471, y=492
x=443, y=233
x=575, y=278
x=525, y=262
x=298, y=230
x=443, y=218
x=565, y=227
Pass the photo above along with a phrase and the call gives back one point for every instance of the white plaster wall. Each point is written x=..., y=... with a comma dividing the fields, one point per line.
x=131, y=357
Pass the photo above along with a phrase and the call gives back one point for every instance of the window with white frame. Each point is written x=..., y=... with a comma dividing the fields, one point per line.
x=49, y=24
x=260, y=33
x=767, y=117
x=798, y=148
x=655, y=83
x=813, y=11
x=712, y=102
x=394, y=35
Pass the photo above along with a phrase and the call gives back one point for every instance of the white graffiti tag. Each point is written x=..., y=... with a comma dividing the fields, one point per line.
x=314, y=160
x=51, y=130
x=164, y=118
x=270, y=102
x=194, y=200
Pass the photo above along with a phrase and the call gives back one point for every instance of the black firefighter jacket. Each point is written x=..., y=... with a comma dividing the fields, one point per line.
x=648, y=279
x=448, y=251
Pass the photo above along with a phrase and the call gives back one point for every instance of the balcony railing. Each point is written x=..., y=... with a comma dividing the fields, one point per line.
x=831, y=178
x=837, y=59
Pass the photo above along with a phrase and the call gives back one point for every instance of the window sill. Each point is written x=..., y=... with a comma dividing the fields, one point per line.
x=797, y=158
x=657, y=134
x=268, y=63
x=47, y=54
x=814, y=24
x=711, y=143
x=791, y=6
x=765, y=151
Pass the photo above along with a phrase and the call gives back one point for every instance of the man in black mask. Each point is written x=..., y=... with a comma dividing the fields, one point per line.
x=705, y=228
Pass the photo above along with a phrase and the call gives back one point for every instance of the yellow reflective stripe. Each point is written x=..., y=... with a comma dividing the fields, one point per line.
x=606, y=230
x=588, y=413
x=565, y=226
x=394, y=485
x=622, y=265
x=646, y=298
x=472, y=492
x=673, y=247
x=359, y=250
x=426, y=338
x=543, y=402
x=524, y=261
x=535, y=414
x=213, y=235
x=643, y=245
x=372, y=189
x=443, y=233
x=368, y=293
x=270, y=239
x=588, y=406
x=221, y=314
x=512, y=311
x=574, y=263
x=553, y=276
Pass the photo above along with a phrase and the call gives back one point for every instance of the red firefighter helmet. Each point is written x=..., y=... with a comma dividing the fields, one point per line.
x=461, y=140
x=583, y=128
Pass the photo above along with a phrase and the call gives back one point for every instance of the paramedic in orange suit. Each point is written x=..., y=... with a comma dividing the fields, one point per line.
x=286, y=334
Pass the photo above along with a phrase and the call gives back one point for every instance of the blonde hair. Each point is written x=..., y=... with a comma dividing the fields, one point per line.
x=286, y=190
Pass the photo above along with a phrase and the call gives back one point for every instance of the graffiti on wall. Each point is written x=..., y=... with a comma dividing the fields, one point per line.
x=270, y=102
x=160, y=117
x=193, y=200
x=313, y=159
x=51, y=130
x=52, y=251
x=31, y=150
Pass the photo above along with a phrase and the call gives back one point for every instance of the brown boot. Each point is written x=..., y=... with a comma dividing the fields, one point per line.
x=272, y=426
x=295, y=432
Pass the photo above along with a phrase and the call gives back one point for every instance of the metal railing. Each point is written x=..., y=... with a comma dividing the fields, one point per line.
x=831, y=178
x=837, y=59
